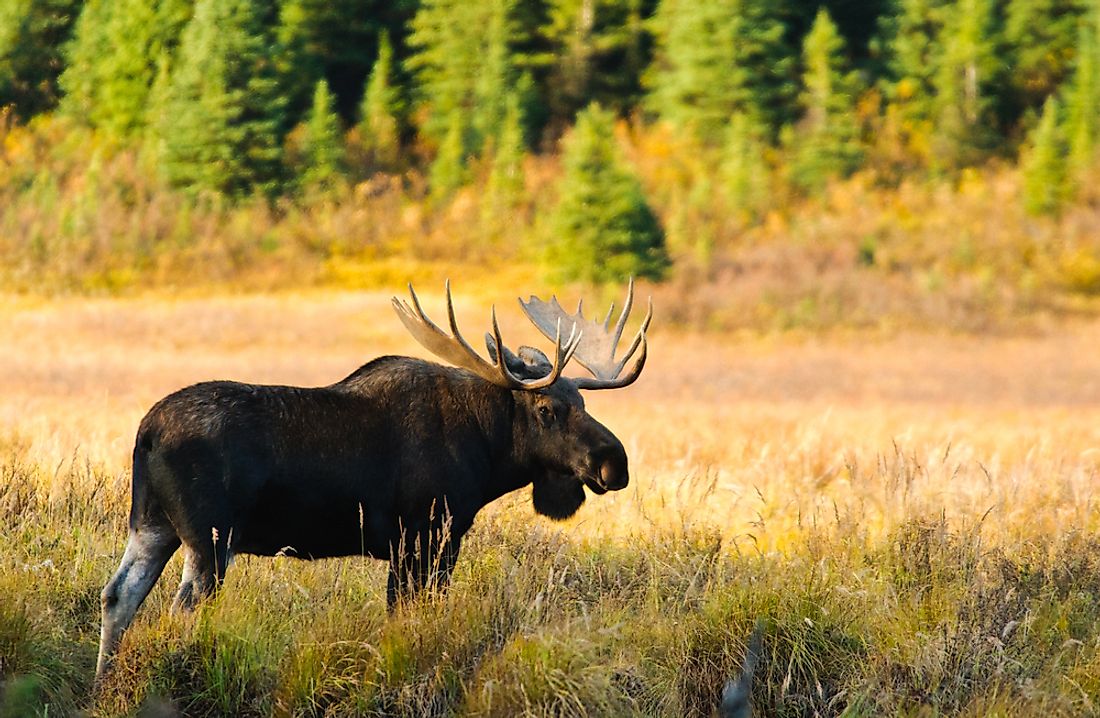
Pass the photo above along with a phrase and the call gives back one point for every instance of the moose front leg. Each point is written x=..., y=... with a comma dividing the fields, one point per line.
x=423, y=559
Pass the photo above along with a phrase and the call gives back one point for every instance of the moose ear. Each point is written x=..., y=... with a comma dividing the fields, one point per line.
x=537, y=362
x=530, y=364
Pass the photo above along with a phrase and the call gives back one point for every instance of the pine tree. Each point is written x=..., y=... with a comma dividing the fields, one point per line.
x=911, y=36
x=829, y=145
x=744, y=173
x=33, y=35
x=715, y=58
x=963, y=78
x=1083, y=100
x=379, y=130
x=603, y=229
x=322, y=145
x=506, y=181
x=448, y=170
x=111, y=89
x=1040, y=37
x=1044, y=167
x=223, y=121
x=466, y=67
x=595, y=52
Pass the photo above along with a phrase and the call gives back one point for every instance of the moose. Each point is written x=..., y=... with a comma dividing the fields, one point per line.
x=392, y=462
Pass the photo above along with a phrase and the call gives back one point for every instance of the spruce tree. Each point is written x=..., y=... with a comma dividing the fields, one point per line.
x=1044, y=166
x=715, y=58
x=964, y=75
x=33, y=35
x=322, y=145
x=829, y=145
x=506, y=182
x=1040, y=36
x=744, y=173
x=595, y=51
x=603, y=229
x=911, y=38
x=1083, y=100
x=111, y=89
x=466, y=66
x=222, y=125
x=448, y=170
x=379, y=129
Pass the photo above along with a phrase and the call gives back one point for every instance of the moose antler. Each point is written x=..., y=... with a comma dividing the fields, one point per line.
x=596, y=343
x=455, y=349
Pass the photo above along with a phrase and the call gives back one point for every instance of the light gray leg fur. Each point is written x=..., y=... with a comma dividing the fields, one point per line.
x=147, y=552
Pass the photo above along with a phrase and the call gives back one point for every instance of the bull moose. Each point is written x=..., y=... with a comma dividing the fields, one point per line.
x=393, y=462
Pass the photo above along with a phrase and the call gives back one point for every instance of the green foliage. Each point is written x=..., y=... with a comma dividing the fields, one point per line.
x=379, y=127
x=221, y=129
x=506, y=182
x=337, y=40
x=596, y=51
x=465, y=65
x=603, y=229
x=1044, y=166
x=322, y=145
x=1083, y=100
x=715, y=58
x=963, y=84
x=33, y=34
x=744, y=172
x=828, y=145
x=1040, y=37
x=111, y=90
x=448, y=171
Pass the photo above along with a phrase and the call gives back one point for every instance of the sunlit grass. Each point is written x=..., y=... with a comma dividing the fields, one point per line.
x=915, y=519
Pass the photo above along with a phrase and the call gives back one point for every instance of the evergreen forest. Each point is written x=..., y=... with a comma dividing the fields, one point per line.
x=942, y=146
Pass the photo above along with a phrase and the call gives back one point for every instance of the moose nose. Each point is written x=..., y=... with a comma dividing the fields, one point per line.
x=613, y=471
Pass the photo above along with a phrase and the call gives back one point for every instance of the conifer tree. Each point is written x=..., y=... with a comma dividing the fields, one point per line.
x=111, y=89
x=963, y=78
x=715, y=58
x=829, y=146
x=596, y=52
x=744, y=172
x=466, y=67
x=913, y=52
x=33, y=35
x=1044, y=166
x=603, y=229
x=379, y=131
x=322, y=145
x=448, y=170
x=1040, y=36
x=223, y=121
x=506, y=182
x=1083, y=100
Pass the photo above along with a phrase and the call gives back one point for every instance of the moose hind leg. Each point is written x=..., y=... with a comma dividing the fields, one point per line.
x=147, y=551
x=203, y=572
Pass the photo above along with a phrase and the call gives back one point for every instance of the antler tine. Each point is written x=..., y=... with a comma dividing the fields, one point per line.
x=627, y=306
x=596, y=348
x=639, y=337
x=454, y=348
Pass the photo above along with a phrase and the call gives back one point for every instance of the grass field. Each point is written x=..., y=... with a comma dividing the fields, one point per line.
x=915, y=517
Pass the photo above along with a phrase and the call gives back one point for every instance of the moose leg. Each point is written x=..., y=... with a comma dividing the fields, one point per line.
x=427, y=563
x=203, y=572
x=147, y=551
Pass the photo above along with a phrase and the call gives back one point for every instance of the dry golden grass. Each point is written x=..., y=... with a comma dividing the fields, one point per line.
x=914, y=515
x=757, y=436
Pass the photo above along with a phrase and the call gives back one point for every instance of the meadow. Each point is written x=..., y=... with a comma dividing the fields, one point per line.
x=913, y=515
